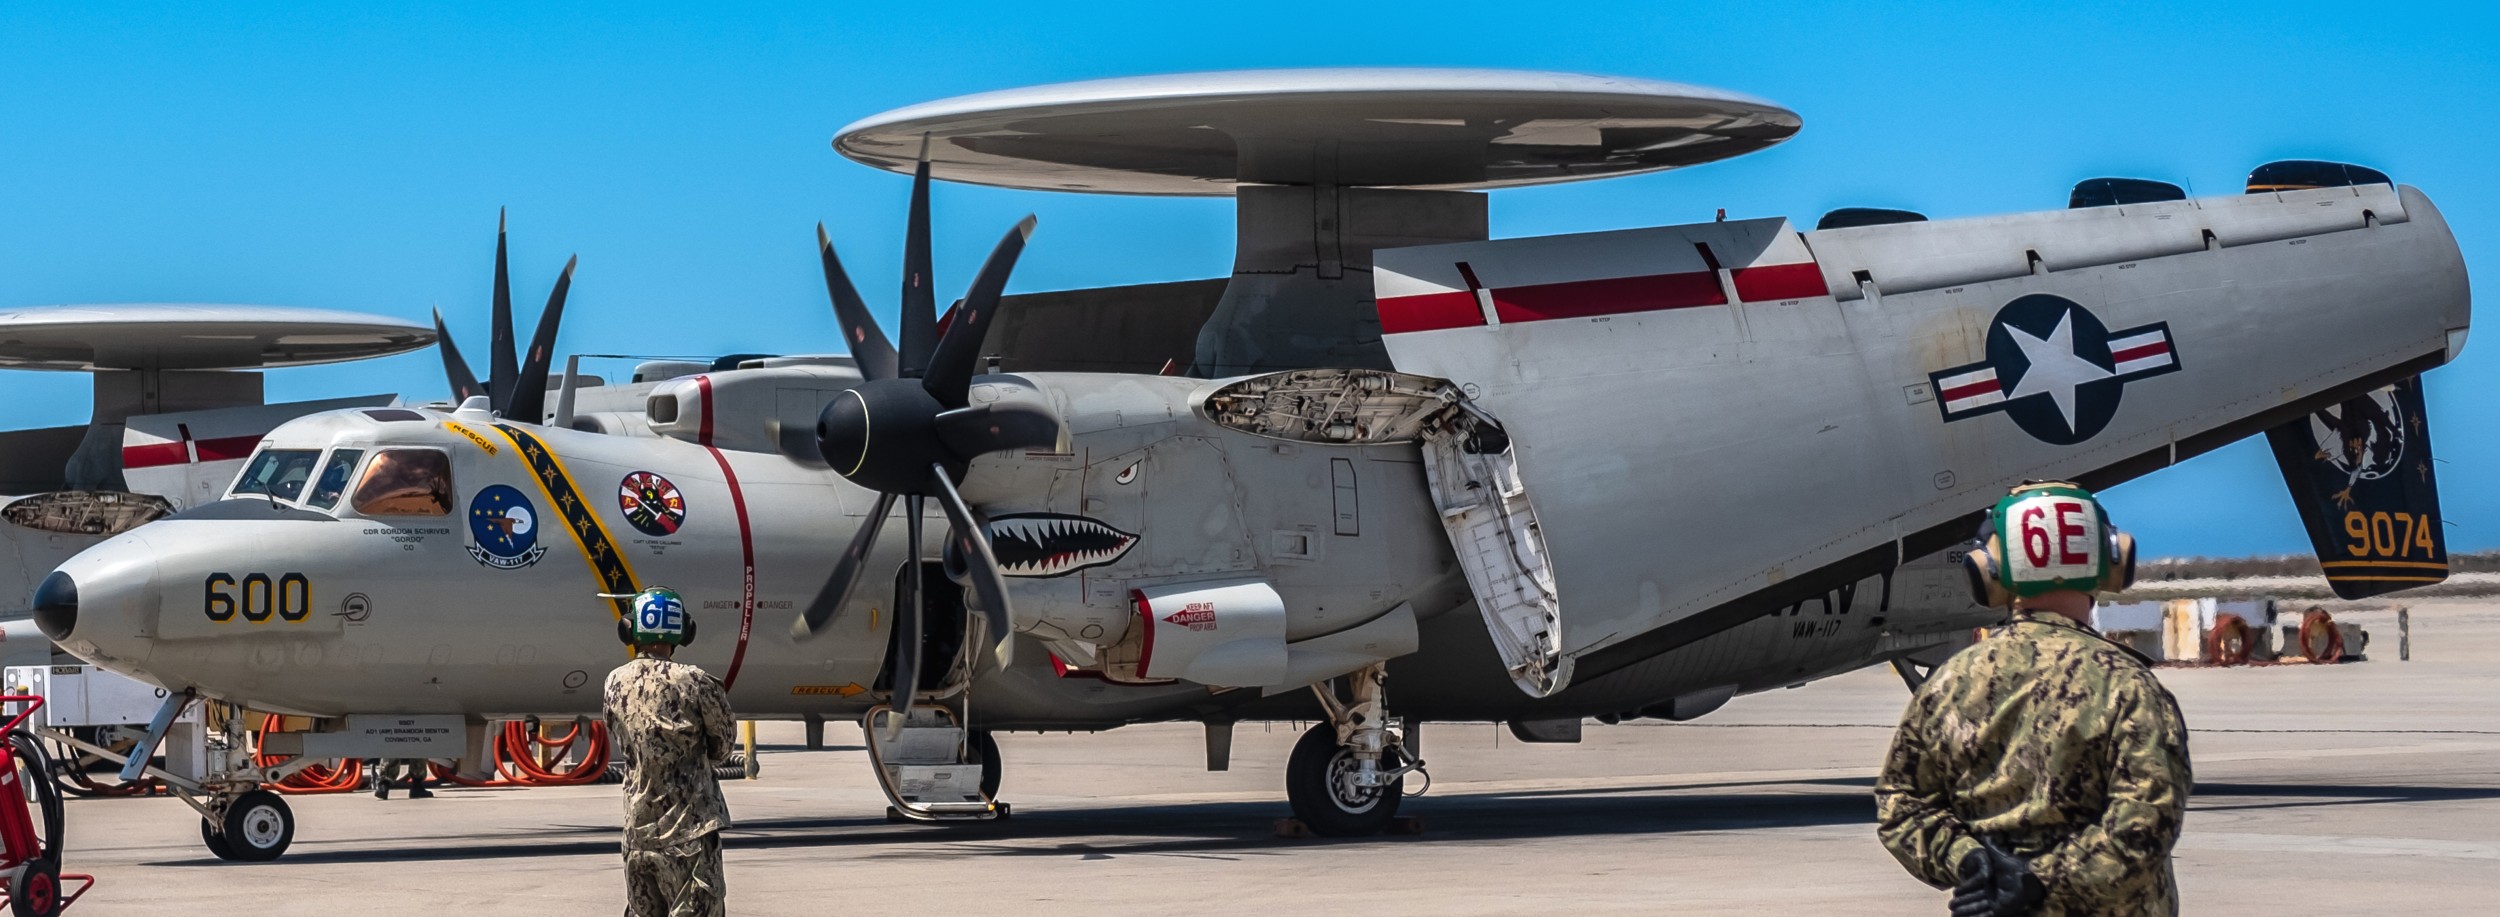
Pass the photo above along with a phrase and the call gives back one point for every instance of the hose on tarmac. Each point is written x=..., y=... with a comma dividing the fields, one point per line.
x=2320, y=639
x=527, y=754
x=338, y=775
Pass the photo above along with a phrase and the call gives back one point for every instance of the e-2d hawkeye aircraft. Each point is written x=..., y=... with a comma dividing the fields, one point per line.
x=1664, y=466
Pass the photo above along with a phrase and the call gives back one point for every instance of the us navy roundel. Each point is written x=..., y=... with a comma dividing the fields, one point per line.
x=2054, y=369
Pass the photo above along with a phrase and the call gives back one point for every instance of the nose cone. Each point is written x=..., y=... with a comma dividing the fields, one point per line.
x=56, y=606
x=102, y=605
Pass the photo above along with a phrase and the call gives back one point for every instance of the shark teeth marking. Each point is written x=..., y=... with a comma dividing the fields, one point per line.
x=1054, y=544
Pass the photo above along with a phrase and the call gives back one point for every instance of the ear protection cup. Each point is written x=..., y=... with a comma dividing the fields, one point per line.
x=624, y=632
x=2121, y=562
x=1980, y=565
x=688, y=639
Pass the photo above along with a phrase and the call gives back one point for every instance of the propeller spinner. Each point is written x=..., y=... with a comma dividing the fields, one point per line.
x=515, y=387
x=909, y=431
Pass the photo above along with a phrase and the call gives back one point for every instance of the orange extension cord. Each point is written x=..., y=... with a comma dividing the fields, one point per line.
x=521, y=759
x=342, y=776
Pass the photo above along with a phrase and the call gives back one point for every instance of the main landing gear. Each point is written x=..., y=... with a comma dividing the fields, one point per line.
x=1346, y=776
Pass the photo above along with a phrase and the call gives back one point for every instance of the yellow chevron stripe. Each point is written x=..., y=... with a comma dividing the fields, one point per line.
x=607, y=564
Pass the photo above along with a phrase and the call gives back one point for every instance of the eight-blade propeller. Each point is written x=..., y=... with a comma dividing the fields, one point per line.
x=516, y=388
x=909, y=431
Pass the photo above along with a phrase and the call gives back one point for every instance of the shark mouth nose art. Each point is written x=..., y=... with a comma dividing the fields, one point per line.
x=1054, y=544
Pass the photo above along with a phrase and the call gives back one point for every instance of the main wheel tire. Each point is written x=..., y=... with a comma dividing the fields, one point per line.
x=985, y=750
x=1319, y=782
x=258, y=826
x=36, y=892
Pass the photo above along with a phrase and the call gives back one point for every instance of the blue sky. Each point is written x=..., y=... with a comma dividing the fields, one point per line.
x=353, y=155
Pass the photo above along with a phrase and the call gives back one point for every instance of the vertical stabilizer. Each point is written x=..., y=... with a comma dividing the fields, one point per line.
x=2361, y=474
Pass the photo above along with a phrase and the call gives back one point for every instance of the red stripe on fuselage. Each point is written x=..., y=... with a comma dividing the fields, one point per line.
x=746, y=551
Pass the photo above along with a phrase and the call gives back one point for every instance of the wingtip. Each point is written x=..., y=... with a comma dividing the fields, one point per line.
x=823, y=240
x=502, y=218
x=569, y=263
x=1024, y=227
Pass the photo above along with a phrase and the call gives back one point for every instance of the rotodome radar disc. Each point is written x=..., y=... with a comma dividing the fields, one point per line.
x=186, y=336
x=1204, y=133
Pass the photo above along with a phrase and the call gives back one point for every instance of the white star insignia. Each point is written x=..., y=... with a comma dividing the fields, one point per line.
x=2055, y=369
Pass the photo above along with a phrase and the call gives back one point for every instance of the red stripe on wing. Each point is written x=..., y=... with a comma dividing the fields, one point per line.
x=1780, y=281
x=1429, y=312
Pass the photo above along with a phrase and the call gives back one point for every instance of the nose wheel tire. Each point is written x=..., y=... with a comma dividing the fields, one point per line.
x=1319, y=782
x=215, y=839
x=36, y=892
x=257, y=828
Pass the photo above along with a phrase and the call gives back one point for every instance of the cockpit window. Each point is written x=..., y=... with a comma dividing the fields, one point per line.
x=279, y=473
x=406, y=482
x=333, y=482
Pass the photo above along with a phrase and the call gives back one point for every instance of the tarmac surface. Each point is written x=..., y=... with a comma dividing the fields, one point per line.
x=2371, y=787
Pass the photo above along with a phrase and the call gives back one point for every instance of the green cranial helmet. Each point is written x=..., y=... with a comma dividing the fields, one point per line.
x=2049, y=536
x=657, y=616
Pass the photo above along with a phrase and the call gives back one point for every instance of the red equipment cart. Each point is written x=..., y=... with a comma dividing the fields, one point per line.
x=31, y=862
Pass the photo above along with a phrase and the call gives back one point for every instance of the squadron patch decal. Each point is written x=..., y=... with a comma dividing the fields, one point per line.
x=1054, y=544
x=651, y=504
x=503, y=528
x=2054, y=369
x=616, y=577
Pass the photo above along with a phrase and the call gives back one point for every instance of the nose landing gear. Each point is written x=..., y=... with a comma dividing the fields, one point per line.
x=1346, y=776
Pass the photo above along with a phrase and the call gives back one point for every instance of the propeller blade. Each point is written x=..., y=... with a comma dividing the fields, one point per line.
x=983, y=429
x=456, y=370
x=838, y=586
x=529, y=389
x=908, y=627
x=501, y=366
x=972, y=541
x=919, y=315
x=868, y=345
x=950, y=369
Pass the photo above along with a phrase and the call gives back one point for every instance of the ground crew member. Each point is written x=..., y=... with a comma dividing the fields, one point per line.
x=388, y=771
x=2043, y=770
x=670, y=724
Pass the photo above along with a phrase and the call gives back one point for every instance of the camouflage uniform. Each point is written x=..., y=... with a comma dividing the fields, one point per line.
x=2059, y=744
x=670, y=723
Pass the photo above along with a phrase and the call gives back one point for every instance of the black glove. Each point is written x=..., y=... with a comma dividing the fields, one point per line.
x=2013, y=891
x=1975, y=894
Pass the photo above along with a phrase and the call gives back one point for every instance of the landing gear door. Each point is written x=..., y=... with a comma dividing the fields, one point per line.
x=1493, y=530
